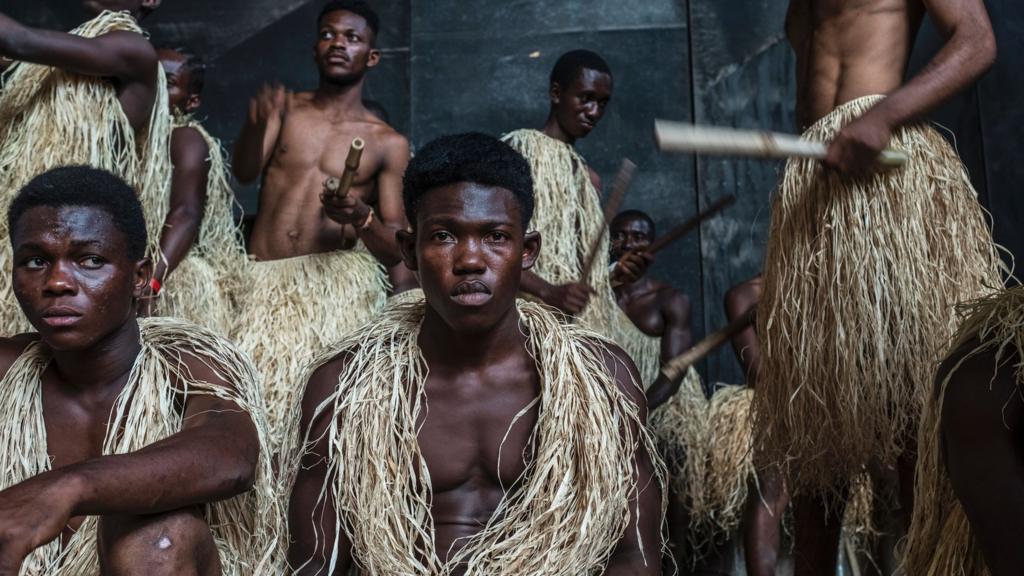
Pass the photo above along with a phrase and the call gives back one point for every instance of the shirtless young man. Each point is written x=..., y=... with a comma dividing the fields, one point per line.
x=868, y=381
x=126, y=437
x=297, y=141
x=315, y=249
x=569, y=212
x=200, y=241
x=73, y=98
x=658, y=310
x=476, y=380
x=971, y=464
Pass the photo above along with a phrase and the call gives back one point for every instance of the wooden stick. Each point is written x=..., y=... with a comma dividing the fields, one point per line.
x=685, y=228
x=677, y=366
x=622, y=180
x=683, y=137
x=340, y=186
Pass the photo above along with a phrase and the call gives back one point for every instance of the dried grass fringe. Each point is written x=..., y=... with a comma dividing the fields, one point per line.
x=940, y=540
x=573, y=502
x=568, y=215
x=861, y=280
x=204, y=288
x=643, y=349
x=51, y=118
x=295, y=308
x=245, y=528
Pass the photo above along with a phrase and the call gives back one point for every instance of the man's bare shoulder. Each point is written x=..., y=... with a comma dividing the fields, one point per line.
x=12, y=348
x=669, y=296
x=323, y=382
x=622, y=367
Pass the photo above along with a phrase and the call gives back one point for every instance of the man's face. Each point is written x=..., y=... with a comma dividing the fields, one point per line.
x=470, y=250
x=580, y=106
x=72, y=275
x=344, y=48
x=136, y=7
x=629, y=234
x=179, y=82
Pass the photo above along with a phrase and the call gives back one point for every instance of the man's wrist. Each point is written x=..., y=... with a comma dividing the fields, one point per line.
x=67, y=486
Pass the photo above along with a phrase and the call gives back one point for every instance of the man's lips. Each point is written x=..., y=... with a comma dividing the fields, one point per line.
x=337, y=58
x=471, y=293
x=61, y=316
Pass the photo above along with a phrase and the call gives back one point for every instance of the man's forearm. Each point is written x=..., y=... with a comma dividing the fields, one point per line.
x=963, y=59
x=534, y=285
x=247, y=156
x=195, y=466
x=13, y=38
x=180, y=231
x=381, y=240
x=661, y=390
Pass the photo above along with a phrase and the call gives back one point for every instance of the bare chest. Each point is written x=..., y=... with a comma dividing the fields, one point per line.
x=645, y=313
x=476, y=434
x=308, y=144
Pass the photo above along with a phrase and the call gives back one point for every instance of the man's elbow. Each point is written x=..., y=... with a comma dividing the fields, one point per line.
x=986, y=53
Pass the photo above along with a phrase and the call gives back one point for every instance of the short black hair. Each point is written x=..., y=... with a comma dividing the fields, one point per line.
x=89, y=187
x=637, y=215
x=470, y=157
x=378, y=110
x=569, y=65
x=195, y=66
x=357, y=7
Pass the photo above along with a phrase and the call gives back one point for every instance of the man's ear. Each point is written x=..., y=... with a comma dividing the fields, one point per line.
x=373, y=59
x=143, y=273
x=192, y=104
x=531, y=249
x=555, y=93
x=407, y=245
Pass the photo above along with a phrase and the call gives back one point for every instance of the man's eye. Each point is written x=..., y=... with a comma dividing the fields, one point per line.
x=353, y=38
x=326, y=35
x=34, y=263
x=497, y=237
x=92, y=262
x=442, y=236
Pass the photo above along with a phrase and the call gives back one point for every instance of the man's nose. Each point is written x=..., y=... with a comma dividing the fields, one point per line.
x=59, y=280
x=469, y=257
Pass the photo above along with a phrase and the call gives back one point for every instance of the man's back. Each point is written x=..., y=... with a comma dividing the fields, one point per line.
x=312, y=146
x=846, y=49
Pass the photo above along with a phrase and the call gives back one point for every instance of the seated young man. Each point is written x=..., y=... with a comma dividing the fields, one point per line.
x=471, y=432
x=131, y=446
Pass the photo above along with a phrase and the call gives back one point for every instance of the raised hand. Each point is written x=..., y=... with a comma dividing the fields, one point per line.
x=631, y=267
x=570, y=298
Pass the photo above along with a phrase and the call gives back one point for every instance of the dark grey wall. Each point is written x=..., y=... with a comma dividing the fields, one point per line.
x=454, y=65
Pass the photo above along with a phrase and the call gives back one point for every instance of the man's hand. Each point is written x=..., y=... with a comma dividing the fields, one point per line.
x=570, y=298
x=345, y=209
x=32, y=513
x=631, y=267
x=855, y=150
x=269, y=102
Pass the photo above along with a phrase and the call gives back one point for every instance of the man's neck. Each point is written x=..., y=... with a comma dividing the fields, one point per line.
x=104, y=363
x=444, y=347
x=342, y=97
x=553, y=129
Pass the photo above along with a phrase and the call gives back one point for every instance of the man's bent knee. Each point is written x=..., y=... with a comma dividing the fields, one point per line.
x=178, y=542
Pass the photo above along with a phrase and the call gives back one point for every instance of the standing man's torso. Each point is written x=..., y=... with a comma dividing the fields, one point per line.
x=846, y=49
x=311, y=147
